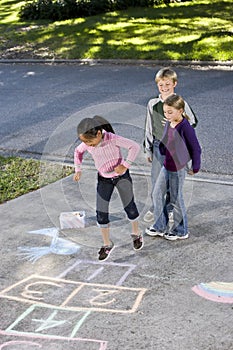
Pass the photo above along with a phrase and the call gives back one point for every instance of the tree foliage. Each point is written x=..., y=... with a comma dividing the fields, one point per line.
x=67, y=9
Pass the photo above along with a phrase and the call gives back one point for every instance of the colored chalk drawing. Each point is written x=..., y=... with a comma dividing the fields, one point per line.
x=49, y=321
x=15, y=344
x=75, y=295
x=98, y=272
x=220, y=292
x=60, y=307
x=34, y=342
x=58, y=246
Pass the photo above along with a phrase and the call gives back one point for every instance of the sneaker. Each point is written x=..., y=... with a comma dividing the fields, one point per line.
x=170, y=236
x=148, y=217
x=170, y=217
x=173, y=237
x=105, y=251
x=151, y=231
x=138, y=241
x=183, y=237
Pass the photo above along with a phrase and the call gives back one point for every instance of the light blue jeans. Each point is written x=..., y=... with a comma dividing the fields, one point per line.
x=157, y=163
x=175, y=179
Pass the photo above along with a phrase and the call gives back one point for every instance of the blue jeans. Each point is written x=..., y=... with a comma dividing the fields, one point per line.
x=175, y=181
x=157, y=163
x=105, y=187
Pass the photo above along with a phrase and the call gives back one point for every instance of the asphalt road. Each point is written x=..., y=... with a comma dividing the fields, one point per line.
x=42, y=104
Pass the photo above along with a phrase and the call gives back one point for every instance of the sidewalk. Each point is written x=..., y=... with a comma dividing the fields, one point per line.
x=135, y=300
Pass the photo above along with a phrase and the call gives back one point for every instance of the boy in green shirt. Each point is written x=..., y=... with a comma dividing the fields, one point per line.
x=166, y=80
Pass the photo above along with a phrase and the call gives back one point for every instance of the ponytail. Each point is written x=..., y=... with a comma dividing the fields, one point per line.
x=90, y=126
x=185, y=115
x=104, y=124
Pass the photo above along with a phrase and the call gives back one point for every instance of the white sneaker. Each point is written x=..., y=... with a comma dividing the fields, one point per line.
x=149, y=216
x=173, y=237
x=151, y=231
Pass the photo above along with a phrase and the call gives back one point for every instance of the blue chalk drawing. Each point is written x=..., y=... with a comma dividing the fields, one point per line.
x=58, y=246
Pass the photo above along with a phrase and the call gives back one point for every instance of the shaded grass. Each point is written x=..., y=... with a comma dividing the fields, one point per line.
x=193, y=30
x=19, y=176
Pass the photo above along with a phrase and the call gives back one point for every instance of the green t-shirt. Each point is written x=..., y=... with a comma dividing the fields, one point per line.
x=157, y=118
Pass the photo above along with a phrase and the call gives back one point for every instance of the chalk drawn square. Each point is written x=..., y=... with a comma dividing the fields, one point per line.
x=105, y=298
x=14, y=341
x=38, y=289
x=97, y=272
x=74, y=295
x=49, y=321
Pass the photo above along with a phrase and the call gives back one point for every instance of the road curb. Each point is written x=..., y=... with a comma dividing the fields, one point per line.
x=202, y=176
x=91, y=62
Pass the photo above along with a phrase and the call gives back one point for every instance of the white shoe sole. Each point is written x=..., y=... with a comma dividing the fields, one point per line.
x=175, y=238
x=183, y=237
x=154, y=234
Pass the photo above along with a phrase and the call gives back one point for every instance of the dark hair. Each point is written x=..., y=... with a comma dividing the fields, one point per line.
x=104, y=124
x=90, y=126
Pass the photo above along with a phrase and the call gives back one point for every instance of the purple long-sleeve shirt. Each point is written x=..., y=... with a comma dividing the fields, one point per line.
x=107, y=154
x=180, y=145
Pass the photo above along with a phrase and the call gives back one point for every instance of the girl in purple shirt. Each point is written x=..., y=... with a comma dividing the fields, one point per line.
x=179, y=145
x=98, y=138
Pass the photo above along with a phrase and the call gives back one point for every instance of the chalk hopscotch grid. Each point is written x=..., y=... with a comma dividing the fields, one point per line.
x=77, y=287
x=29, y=339
x=86, y=311
x=49, y=323
x=102, y=267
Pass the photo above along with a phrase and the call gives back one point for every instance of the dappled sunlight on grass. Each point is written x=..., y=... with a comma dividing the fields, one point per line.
x=94, y=50
x=210, y=47
x=184, y=39
x=180, y=31
x=115, y=26
x=136, y=41
x=9, y=11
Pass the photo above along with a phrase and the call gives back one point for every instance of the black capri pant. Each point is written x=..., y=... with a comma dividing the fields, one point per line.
x=105, y=187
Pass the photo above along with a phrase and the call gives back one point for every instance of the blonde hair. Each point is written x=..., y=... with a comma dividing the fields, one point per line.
x=166, y=73
x=177, y=102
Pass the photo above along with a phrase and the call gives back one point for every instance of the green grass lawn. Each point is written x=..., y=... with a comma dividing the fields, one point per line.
x=192, y=30
x=19, y=176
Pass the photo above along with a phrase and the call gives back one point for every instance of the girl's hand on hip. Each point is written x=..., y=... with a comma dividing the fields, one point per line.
x=120, y=169
x=77, y=176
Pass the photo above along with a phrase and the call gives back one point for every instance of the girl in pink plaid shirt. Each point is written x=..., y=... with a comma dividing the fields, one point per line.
x=98, y=138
